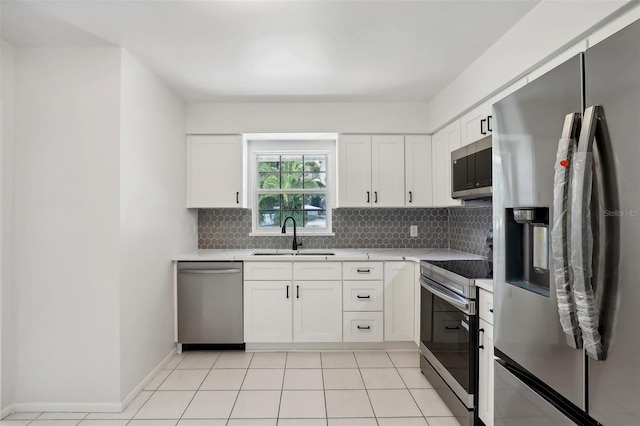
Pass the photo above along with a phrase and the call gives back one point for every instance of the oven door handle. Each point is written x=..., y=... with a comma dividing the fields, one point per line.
x=465, y=305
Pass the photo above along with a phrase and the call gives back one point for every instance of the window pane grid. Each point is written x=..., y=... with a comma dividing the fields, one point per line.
x=292, y=185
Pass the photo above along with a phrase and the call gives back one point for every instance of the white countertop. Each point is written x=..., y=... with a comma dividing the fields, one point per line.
x=340, y=255
x=486, y=284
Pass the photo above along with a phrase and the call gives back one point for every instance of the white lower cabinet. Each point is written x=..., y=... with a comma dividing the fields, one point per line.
x=309, y=302
x=362, y=326
x=485, y=359
x=282, y=308
x=399, y=301
x=317, y=306
x=267, y=311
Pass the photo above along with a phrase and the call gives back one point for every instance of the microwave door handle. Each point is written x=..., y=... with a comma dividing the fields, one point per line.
x=594, y=132
x=466, y=306
x=561, y=230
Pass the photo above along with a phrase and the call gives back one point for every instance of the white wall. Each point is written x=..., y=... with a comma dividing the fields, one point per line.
x=306, y=118
x=544, y=32
x=154, y=221
x=7, y=101
x=66, y=228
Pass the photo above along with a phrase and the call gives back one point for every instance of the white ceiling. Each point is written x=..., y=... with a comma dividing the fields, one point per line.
x=275, y=51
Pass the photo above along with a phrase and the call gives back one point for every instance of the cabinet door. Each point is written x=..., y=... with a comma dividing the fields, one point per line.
x=485, y=373
x=399, y=301
x=215, y=169
x=443, y=142
x=267, y=311
x=387, y=170
x=317, y=311
x=475, y=124
x=354, y=171
x=418, y=174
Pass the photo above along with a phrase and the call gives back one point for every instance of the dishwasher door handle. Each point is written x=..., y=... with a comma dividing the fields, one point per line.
x=209, y=271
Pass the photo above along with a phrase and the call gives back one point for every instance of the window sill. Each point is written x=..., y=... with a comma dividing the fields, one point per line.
x=290, y=234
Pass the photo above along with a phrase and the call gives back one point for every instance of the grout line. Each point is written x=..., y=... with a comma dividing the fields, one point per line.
x=240, y=388
x=324, y=392
x=284, y=373
x=409, y=390
x=366, y=389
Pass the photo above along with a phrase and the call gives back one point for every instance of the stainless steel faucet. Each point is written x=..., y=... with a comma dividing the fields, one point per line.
x=295, y=244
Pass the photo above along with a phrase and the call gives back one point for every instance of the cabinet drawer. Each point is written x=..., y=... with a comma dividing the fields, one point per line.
x=362, y=326
x=316, y=271
x=486, y=305
x=267, y=271
x=362, y=271
x=362, y=296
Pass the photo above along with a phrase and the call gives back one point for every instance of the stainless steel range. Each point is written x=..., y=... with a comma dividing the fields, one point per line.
x=448, y=332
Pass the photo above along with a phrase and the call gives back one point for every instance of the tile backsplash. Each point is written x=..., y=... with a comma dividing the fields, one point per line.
x=468, y=227
x=460, y=228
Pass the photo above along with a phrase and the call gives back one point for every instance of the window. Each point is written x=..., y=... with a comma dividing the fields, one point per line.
x=292, y=184
x=291, y=174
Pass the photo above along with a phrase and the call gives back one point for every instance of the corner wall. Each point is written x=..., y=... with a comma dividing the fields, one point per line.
x=7, y=117
x=154, y=221
x=66, y=229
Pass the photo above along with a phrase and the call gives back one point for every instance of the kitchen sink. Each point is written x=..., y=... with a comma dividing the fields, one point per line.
x=314, y=253
x=300, y=253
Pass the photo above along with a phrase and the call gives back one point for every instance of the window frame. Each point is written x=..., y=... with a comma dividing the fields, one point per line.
x=295, y=146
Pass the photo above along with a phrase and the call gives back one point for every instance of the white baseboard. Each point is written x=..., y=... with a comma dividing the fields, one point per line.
x=132, y=395
x=338, y=346
x=87, y=407
x=6, y=411
x=66, y=407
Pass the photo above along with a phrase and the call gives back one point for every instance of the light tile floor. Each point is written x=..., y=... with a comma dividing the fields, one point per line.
x=210, y=388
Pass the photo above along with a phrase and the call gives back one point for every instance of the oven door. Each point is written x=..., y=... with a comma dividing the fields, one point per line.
x=448, y=337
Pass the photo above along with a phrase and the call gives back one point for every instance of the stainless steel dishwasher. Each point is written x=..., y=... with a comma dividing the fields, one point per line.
x=210, y=304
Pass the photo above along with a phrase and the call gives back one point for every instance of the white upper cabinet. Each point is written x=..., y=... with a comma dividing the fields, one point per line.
x=215, y=171
x=443, y=143
x=384, y=171
x=476, y=124
x=371, y=171
x=418, y=189
x=387, y=172
x=354, y=171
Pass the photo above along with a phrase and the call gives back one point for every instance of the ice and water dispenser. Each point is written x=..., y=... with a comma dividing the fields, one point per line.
x=527, y=248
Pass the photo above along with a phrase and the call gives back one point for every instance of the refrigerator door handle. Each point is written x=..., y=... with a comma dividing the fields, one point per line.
x=584, y=241
x=560, y=231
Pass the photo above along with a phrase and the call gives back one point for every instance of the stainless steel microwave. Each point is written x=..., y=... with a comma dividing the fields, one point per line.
x=471, y=171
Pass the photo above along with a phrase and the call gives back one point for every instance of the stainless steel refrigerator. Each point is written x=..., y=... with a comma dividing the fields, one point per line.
x=566, y=164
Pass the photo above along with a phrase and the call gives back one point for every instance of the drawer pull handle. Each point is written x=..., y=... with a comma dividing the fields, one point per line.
x=491, y=310
x=363, y=271
x=364, y=327
x=364, y=297
x=452, y=328
x=481, y=331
